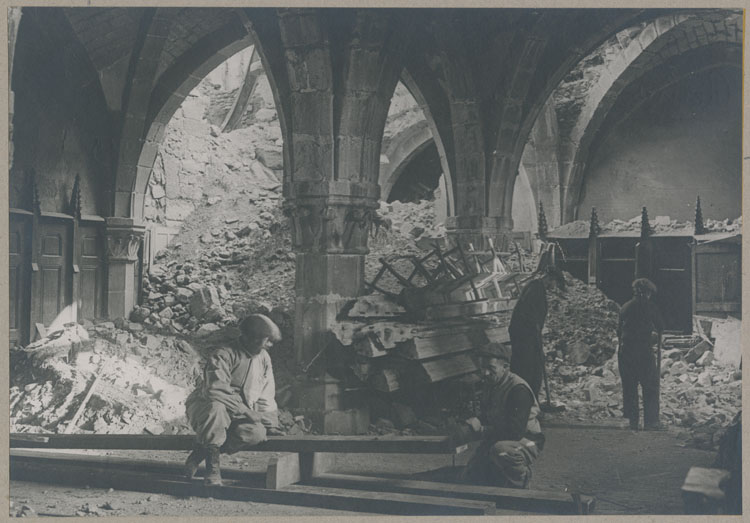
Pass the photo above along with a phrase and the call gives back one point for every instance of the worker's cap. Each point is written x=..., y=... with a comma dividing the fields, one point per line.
x=644, y=284
x=260, y=326
x=495, y=350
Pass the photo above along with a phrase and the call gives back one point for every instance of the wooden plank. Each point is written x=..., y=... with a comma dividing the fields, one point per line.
x=421, y=348
x=37, y=469
x=705, y=482
x=443, y=368
x=367, y=347
x=375, y=306
x=539, y=501
x=283, y=470
x=386, y=380
x=392, y=502
x=462, y=309
x=345, y=444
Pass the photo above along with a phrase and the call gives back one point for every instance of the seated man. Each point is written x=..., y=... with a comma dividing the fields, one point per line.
x=511, y=436
x=235, y=404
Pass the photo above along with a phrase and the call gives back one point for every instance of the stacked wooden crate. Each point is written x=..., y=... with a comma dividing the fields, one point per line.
x=427, y=333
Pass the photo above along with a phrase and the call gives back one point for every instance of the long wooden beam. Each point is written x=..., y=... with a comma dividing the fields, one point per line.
x=506, y=498
x=82, y=472
x=338, y=444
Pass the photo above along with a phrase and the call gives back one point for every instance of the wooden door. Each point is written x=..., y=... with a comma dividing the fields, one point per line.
x=91, y=276
x=19, y=249
x=53, y=297
x=673, y=279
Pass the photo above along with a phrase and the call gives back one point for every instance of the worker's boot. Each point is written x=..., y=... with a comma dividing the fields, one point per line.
x=213, y=470
x=194, y=460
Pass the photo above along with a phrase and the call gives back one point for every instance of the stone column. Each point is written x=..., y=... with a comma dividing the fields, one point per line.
x=124, y=236
x=330, y=223
x=478, y=229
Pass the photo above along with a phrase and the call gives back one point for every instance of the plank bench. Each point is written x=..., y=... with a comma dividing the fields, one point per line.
x=303, y=467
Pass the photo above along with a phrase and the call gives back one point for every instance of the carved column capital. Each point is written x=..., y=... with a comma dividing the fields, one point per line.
x=330, y=225
x=123, y=238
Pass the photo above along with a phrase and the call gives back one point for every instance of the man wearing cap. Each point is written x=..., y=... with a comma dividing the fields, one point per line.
x=639, y=319
x=511, y=436
x=234, y=406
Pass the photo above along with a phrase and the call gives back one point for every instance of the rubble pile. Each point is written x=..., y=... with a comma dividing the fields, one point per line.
x=136, y=381
x=659, y=225
x=698, y=393
x=581, y=325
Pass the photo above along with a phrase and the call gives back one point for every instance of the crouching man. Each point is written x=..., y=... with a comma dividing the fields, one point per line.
x=234, y=406
x=511, y=436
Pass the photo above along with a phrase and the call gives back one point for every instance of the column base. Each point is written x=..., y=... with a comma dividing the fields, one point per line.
x=331, y=412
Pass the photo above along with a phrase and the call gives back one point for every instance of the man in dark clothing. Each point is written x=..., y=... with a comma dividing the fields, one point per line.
x=511, y=435
x=525, y=329
x=639, y=318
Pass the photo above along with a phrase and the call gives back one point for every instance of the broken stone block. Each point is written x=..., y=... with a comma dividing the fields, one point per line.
x=166, y=313
x=697, y=351
x=706, y=360
x=183, y=295
x=579, y=353
x=205, y=304
x=705, y=379
x=207, y=329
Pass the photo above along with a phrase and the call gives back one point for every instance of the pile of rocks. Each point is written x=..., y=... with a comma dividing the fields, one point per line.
x=138, y=379
x=698, y=393
x=581, y=326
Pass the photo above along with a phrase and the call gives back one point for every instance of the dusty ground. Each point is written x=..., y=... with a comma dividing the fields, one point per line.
x=628, y=473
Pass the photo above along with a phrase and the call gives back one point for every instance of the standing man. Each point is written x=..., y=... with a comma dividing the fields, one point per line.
x=235, y=404
x=639, y=318
x=526, y=326
x=511, y=435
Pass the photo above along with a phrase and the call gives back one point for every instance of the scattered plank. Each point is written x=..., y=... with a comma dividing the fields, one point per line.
x=475, y=308
x=344, y=444
x=419, y=348
x=375, y=306
x=506, y=498
x=385, y=380
x=443, y=368
x=81, y=473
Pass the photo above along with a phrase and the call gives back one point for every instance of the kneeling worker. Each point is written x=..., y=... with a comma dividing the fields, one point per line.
x=511, y=435
x=235, y=405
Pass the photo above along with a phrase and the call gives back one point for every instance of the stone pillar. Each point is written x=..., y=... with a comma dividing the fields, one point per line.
x=478, y=229
x=124, y=236
x=330, y=222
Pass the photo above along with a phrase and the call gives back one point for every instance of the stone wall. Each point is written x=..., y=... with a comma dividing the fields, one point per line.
x=684, y=142
x=60, y=129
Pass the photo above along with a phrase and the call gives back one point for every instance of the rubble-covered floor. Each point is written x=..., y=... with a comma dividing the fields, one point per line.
x=628, y=472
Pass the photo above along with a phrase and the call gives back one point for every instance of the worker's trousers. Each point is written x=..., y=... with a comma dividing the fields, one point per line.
x=502, y=464
x=638, y=366
x=214, y=424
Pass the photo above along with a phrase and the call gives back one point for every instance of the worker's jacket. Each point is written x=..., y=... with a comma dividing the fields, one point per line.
x=498, y=412
x=240, y=381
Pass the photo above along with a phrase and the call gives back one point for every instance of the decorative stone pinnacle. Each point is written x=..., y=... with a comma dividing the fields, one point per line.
x=542, y=223
x=700, y=228
x=645, y=226
x=594, y=228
